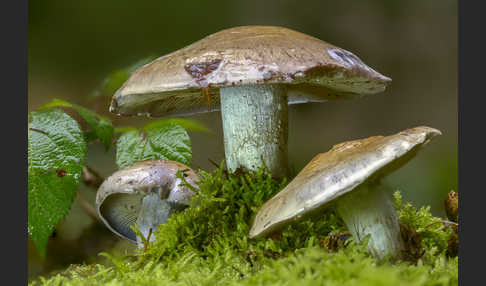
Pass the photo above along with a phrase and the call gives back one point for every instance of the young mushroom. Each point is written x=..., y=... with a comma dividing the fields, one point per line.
x=348, y=176
x=252, y=73
x=146, y=194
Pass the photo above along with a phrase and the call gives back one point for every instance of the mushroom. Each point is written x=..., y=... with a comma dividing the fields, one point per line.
x=348, y=176
x=251, y=73
x=145, y=193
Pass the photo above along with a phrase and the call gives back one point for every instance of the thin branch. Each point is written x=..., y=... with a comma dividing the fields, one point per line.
x=214, y=163
x=147, y=241
x=91, y=178
x=87, y=208
x=444, y=222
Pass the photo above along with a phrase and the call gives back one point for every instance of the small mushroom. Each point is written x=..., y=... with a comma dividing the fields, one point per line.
x=145, y=193
x=349, y=176
x=252, y=73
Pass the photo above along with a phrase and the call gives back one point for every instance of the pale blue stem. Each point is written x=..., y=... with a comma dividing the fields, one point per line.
x=153, y=212
x=255, y=126
x=367, y=210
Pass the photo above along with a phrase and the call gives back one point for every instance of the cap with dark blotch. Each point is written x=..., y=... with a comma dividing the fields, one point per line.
x=119, y=198
x=334, y=173
x=313, y=70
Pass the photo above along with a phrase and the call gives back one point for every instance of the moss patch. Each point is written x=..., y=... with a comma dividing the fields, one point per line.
x=208, y=244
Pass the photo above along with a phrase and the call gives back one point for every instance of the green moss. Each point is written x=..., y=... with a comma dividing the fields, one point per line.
x=208, y=244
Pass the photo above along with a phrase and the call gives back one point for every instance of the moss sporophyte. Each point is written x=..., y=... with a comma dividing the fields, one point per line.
x=208, y=244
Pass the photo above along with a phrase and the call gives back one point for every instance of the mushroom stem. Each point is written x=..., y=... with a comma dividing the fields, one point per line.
x=368, y=211
x=255, y=126
x=154, y=212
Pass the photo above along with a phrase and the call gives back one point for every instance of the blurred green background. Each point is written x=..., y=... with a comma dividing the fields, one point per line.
x=74, y=45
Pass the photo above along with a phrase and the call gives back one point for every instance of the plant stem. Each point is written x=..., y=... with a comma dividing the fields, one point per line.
x=87, y=208
x=91, y=178
x=255, y=126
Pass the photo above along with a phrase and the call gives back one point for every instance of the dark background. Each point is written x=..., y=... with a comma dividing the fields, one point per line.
x=73, y=45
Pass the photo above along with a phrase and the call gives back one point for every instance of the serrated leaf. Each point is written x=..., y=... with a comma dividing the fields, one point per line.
x=101, y=127
x=164, y=141
x=56, y=154
x=189, y=125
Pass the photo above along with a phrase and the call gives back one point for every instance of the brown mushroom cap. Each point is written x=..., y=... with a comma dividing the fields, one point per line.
x=119, y=198
x=340, y=170
x=244, y=55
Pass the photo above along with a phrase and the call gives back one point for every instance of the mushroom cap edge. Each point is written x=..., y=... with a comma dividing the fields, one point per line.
x=338, y=171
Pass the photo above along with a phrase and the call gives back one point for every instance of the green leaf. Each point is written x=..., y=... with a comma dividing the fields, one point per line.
x=124, y=129
x=116, y=79
x=161, y=141
x=102, y=128
x=189, y=125
x=57, y=151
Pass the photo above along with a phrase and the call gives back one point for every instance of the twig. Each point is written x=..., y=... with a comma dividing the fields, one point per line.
x=212, y=162
x=445, y=222
x=87, y=208
x=147, y=241
x=91, y=178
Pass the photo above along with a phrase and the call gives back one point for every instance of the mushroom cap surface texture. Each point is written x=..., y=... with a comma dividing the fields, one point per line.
x=119, y=198
x=340, y=170
x=312, y=69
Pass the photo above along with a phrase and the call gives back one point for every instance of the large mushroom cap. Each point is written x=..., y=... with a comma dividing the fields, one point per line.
x=334, y=173
x=119, y=198
x=244, y=55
